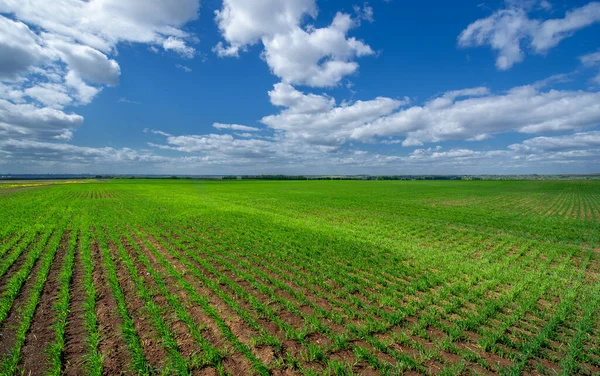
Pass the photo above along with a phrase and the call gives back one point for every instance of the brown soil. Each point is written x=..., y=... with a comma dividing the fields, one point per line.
x=211, y=331
x=152, y=348
x=8, y=328
x=75, y=332
x=112, y=345
x=236, y=363
x=41, y=332
x=180, y=331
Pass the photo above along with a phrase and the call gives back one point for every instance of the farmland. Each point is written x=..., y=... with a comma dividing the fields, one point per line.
x=300, y=277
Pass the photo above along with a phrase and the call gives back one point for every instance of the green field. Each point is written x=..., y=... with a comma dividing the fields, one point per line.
x=301, y=277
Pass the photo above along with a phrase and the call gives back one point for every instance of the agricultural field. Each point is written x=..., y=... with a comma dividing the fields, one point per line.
x=301, y=277
x=7, y=186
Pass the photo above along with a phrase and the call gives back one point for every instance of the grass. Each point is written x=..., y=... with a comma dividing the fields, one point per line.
x=307, y=277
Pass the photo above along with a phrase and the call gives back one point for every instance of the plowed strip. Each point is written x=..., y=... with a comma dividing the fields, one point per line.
x=112, y=346
x=75, y=332
x=10, y=325
x=41, y=334
x=151, y=346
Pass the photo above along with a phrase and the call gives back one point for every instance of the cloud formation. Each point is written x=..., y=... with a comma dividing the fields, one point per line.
x=58, y=54
x=508, y=31
x=295, y=52
x=55, y=56
x=522, y=109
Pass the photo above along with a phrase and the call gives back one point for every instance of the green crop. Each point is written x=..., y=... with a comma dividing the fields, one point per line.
x=304, y=277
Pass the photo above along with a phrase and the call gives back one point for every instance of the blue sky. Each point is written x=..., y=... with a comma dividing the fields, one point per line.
x=299, y=87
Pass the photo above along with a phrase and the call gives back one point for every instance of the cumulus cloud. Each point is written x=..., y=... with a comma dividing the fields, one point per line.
x=577, y=152
x=57, y=54
x=522, y=109
x=62, y=154
x=19, y=49
x=88, y=63
x=28, y=120
x=49, y=94
x=221, y=146
x=244, y=23
x=316, y=119
x=473, y=114
x=582, y=140
x=318, y=57
x=507, y=31
x=213, y=153
x=102, y=24
x=179, y=46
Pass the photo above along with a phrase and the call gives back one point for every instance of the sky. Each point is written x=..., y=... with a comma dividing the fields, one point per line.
x=299, y=87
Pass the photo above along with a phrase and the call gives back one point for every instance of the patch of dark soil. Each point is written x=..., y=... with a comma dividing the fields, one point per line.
x=112, y=345
x=152, y=348
x=34, y=359
x=8, y=328
x=75, y=332
x=237, y=364
x=180, y=331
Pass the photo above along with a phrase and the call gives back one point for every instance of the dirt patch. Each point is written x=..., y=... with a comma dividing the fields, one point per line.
x=211, y=331
x=152, y=348
x=238, y=365
x=41, y=332
x=112, y=345
x=75, y=332
x=8, y=328
x=180, y=331
x=234, y=322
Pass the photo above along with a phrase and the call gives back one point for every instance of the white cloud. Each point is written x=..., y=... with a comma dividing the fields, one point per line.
x=179, y=46
x=507, y=29
x=318, y=57
x=183, y=68
x=522, y=109
x=243, y=23
x=236, y=127
x=126, y=100
x=36, y=152
x=83, y=92
x=591, y=59
x=27, y=120
x=223, y=154
x=88, y=63
x=365, y=12
x=317, y=120
x=285, y=95
x=102, y=24
x=52, y=95
x=56, y=54
x=583, y=140
x=551, y=32
x=219, y=146
x=19, y=49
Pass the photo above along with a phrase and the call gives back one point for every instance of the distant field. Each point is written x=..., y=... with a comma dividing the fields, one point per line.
x=301, y=277
x=16, y=185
